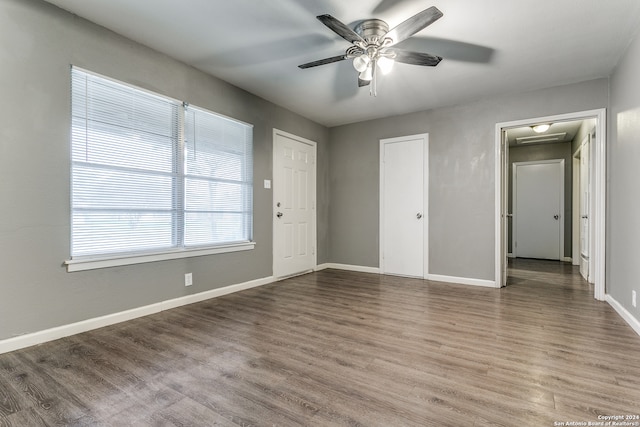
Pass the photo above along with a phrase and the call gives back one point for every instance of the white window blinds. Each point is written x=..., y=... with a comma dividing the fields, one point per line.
x=150, y=175
x=218, y=179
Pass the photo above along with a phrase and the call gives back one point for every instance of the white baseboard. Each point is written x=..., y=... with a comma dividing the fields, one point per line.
x=434, y=277
x=356, y=268
x=563, y=259
x=462, y=281
x=624, y=313
x=40, y=337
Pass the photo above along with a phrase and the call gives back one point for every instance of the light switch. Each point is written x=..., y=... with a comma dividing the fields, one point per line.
x=267, y=183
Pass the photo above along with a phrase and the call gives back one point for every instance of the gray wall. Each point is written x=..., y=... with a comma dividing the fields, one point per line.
x=546, y=152
x=623, y=219
x=38, y=42
x=461, y=176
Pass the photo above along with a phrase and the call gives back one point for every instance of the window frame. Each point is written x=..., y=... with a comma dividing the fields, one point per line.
x=113, y=259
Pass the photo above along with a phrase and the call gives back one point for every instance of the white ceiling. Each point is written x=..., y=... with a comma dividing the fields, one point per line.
x=489, y=47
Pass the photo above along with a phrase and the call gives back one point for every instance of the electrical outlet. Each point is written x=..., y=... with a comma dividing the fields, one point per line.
x=188, y=279
x=633, y=298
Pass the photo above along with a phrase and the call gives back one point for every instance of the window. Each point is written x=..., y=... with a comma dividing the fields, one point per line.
x=218, y=179
x=153, y=175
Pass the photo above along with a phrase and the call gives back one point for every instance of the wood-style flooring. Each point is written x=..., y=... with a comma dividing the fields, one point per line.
x=344, y=348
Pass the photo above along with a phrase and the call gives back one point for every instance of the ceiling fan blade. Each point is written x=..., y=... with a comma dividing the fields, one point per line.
x=415, y=58
x=452, y=50
x=323, y=61
x=340, y=29
x=362, y=83
x=414, y=24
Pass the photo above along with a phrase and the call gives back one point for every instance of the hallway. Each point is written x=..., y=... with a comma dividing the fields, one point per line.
x=537, y=273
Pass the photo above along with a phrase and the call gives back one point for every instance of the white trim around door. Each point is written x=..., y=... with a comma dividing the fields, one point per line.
x=598, y=207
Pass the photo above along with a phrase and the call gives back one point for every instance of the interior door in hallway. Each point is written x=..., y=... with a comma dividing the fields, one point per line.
x=294, y=199
x=403, y=205
x=585, y=200
x=538, y=209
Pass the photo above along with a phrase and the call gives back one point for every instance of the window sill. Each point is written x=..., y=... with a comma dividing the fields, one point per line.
x=92, y=263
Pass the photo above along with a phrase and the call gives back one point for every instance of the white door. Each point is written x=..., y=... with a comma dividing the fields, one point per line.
x=538, y=206
x=575, y=208
x=585, y=200
x=403, y=207
x=294, y=199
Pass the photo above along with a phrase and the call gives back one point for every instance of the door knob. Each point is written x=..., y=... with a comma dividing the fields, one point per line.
x=584, y=217
x=556, y=216
x=419, y=216
x=279, y=214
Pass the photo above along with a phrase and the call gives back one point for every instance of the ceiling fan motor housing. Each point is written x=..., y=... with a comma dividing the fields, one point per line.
x=372, y=30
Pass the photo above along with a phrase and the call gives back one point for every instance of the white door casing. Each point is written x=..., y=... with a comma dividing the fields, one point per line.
x=404, y=206
x=505, y=217
x=294, y=204
x=538, y=207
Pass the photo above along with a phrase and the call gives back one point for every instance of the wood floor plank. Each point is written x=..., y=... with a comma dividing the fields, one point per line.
x=8, y=401
x=28, y=417
x=344, y=348
x=44, y=397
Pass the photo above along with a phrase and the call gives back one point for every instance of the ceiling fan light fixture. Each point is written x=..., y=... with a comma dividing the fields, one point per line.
x=367, y=74
x=361, y=63
x=385, y=64
x=541, y=128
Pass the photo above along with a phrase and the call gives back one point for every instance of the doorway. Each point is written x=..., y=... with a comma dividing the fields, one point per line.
x=294, y=204
x=596, y=217
x=404, y=164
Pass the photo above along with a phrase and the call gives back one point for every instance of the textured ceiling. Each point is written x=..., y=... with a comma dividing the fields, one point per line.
x=489, y=47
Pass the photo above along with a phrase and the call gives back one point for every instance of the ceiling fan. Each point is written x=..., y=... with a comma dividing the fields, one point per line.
x=372, y=45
